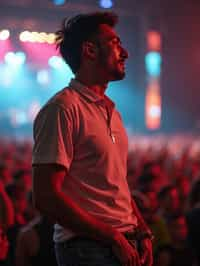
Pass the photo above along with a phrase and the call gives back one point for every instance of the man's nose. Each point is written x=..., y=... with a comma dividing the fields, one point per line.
x=125, y=53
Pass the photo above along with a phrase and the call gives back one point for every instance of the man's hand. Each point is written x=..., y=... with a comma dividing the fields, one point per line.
x=146, y=249
x=126, y=253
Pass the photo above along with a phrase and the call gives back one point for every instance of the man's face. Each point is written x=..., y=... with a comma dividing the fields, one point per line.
x=111, y=55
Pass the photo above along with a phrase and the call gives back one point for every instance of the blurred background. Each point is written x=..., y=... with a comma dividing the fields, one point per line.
x=161, y=91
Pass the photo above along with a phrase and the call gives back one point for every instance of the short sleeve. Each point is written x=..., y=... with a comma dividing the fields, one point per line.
x=53, y=136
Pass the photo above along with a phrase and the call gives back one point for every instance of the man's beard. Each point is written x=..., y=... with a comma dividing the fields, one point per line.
x=115, y=71
x=117, y=75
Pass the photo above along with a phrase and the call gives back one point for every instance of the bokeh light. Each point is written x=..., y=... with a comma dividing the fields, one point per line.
x=153, y=63
x=56, y=62
x=58, y=2
x=15, y=59
x=43, y=77
x=4, y=35
x=37, y=37
x=105, y=3
x=155, y=111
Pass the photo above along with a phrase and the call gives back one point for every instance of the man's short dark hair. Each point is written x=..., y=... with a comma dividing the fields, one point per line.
x=76, y=30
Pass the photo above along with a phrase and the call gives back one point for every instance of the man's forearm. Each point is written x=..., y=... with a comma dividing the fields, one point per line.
x=50, y=199
x=141, y=223
x=67, y=213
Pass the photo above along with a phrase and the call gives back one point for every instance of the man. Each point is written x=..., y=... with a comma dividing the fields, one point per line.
x=80, y=153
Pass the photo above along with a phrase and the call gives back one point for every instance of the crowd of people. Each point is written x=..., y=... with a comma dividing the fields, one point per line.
x=165, y=186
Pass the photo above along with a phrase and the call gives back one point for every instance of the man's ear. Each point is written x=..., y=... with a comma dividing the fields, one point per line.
x=89, y=50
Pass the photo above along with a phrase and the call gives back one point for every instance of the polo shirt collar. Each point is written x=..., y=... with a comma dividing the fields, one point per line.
x=89, y=94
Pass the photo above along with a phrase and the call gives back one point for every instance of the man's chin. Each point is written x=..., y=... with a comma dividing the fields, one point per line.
x=118, y=76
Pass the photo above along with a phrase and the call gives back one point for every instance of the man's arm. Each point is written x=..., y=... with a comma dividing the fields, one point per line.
x=49, y=199
x=143, y=227
x=147, y=237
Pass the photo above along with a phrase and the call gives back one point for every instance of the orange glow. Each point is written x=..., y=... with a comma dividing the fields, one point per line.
x=153, y=41
x=153, y=106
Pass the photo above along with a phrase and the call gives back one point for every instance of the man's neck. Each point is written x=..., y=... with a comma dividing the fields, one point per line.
x=92, y=84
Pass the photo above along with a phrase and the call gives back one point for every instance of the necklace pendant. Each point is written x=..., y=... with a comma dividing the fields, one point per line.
x=113, y=138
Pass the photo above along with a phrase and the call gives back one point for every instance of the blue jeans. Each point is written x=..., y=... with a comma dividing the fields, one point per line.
x=80, y=251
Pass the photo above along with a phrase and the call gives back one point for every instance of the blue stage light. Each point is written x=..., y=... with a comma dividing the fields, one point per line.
x=153, y=63
x=43, y=77
x=21, y=117
x=15, y=59
x=9, y=57
x=105, y=3
x=20, y=58
x=59, y=2
x=56, y=62
x=6, y=77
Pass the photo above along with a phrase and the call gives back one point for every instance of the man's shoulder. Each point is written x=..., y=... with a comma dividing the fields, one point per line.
x=65, y=98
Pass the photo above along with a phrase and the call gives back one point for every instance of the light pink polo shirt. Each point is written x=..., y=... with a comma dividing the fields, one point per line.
x=76, y=130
